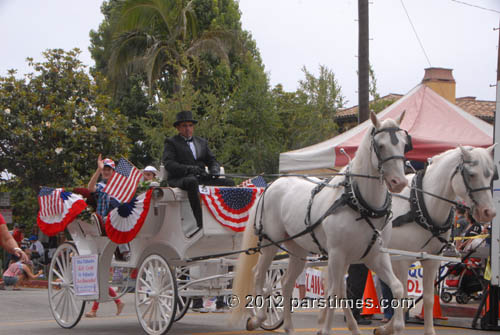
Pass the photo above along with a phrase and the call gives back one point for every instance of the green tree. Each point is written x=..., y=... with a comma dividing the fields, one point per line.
x=307, y=115
x=158, y=38
x=53, y=124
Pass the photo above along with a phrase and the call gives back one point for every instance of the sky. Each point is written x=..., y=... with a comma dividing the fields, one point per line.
x=291, y=34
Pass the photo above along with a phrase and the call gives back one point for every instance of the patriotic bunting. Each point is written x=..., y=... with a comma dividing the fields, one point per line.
x=125, y=221
x=258, y=181
x=58, y=208
x=230, y=206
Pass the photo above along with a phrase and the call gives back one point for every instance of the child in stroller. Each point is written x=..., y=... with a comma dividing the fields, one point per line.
x=464, y=281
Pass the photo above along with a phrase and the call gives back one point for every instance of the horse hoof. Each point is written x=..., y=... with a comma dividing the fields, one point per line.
x=250, y=324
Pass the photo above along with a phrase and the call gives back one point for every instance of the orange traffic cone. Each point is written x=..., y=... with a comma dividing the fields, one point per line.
x=436, y=310
x=370, y=300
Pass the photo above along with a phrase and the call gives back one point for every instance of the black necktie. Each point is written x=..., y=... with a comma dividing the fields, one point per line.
x=189, y=140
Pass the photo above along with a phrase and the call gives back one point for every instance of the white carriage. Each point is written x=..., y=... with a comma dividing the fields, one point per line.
x=168, y=266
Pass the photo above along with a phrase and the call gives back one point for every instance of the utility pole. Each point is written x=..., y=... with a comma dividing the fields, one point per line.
x=363, y=61
x=490, y=321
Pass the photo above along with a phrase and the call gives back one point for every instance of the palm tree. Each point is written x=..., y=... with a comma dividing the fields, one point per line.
x=160, y=38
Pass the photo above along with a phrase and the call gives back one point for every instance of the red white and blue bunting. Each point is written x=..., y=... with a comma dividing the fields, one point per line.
x=58, y=208
x=125, y=221
x=230, y=206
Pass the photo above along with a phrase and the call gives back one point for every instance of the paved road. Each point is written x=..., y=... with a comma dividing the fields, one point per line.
x=27, y=312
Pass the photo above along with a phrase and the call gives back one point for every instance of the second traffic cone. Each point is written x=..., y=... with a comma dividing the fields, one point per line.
x=373, y=307
x=436, y=310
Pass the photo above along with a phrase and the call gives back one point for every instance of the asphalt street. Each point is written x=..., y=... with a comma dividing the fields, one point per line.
x=27, y=312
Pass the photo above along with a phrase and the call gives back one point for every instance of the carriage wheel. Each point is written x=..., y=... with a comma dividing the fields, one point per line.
x=183, y=302
x=446, y=297
x=155, y=295
x=66, y=309
x=274, y=314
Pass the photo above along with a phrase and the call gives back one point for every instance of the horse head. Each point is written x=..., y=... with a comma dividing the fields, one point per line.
x=389, y=144
x=472, y=180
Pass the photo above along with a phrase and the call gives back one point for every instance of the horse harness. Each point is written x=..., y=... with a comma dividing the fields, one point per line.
x=351, y=197
x=418, y=213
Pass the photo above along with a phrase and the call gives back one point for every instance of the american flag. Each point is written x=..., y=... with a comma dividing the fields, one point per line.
x=254, y=182
x=50, y=201
x=123, y=183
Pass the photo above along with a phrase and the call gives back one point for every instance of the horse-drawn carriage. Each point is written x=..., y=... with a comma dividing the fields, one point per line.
x=168, y=266
x=345, y=217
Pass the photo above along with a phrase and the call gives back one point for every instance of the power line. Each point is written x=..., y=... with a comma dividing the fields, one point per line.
x=415, y=31
x=476, y=6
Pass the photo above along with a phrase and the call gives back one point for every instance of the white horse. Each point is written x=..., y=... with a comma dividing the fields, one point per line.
x=292, y=203
x=462, y=172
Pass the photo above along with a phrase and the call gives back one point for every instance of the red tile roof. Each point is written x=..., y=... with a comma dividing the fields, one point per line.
x=482, y=109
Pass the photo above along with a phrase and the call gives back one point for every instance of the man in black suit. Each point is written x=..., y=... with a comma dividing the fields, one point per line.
x=185, y=157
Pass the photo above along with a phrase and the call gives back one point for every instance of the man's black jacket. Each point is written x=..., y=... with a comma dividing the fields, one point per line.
x=178, y=157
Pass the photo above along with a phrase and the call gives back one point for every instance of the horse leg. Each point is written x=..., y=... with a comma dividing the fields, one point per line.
x=336, y=269
x=295, y=266
x=260, y=270
x=381, y=264
x=430, y=271
x=400, y=269
x=350, y=320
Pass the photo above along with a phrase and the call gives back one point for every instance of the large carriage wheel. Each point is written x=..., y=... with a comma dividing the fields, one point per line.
x=274, y=313
x=183, y=302
x=155, y=295
x=65, y=307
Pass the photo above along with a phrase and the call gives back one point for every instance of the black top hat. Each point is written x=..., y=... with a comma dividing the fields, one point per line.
x=184, y=116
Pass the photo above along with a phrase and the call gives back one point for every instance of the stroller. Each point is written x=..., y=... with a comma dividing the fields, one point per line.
x=464, y=281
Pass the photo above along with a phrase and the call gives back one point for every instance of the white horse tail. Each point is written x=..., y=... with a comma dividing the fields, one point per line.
x=243, y=282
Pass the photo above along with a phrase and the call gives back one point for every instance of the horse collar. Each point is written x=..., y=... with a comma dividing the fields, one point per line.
x=356, y=202
x=419, y=213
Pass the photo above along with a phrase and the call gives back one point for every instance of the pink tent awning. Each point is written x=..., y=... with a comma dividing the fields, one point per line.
x=434, y=123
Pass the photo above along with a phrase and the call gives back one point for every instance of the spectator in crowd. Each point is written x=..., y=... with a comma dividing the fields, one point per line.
x=17, y=272
x=8, y=242
x=356, y=282
x=36, y=246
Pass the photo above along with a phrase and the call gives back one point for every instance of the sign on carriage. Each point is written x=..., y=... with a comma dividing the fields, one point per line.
x=85, y=275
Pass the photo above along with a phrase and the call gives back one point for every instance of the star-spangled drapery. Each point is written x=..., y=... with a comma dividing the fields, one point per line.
x=230, y=206
x=58, y=208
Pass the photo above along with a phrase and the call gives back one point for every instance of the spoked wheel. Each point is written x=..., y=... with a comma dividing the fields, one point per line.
x=183, y=302
x=274, y=313
x=65, y=307
x=155, y=295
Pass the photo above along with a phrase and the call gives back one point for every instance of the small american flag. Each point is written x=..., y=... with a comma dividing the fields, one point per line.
x=50, y=201
x=254, y=182
x=123, y=183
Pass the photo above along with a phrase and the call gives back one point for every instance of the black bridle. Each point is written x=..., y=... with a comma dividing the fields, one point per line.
x=394, y=140
x=466, y=176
